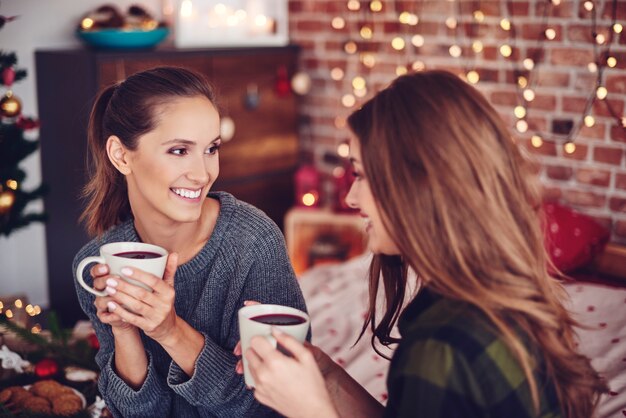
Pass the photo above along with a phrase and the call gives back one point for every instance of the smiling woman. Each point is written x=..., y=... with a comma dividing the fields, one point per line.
x=154, y=143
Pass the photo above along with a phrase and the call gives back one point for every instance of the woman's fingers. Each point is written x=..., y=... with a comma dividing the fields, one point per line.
x=295, y=347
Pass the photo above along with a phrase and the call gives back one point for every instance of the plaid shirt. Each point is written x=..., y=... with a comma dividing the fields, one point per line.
x=451, y=363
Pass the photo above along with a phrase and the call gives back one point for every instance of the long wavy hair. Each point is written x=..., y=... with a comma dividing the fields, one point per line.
x=461, y=202
x=128, y=109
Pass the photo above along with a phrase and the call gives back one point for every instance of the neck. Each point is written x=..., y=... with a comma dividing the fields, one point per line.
x=187, y=238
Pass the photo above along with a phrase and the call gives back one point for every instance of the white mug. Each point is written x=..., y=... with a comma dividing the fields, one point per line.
x=277, y=316
x=117, y=255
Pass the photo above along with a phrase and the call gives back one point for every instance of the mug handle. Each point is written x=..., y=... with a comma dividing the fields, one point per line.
x=81, y=280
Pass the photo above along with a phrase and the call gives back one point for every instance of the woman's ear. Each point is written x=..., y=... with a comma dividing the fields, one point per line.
x=118, y=154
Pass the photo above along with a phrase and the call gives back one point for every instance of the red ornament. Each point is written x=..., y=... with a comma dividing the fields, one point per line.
x=283, y=85
x=27, y=123
x=93, y=341
x=8, y=76
x=46, y=368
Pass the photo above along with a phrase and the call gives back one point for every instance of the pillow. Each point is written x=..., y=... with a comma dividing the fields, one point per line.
x=571, y=238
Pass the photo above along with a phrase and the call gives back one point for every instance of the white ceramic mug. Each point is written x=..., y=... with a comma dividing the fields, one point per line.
x=117, y=255
x=250, y=325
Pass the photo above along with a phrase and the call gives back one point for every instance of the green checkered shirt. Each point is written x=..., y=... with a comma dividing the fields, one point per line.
x=451, y=363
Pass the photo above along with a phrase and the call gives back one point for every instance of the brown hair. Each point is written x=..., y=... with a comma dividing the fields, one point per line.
x=456, y=195
x=128, y=110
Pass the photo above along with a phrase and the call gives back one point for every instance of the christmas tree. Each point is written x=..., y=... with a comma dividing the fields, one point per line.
x=14, y=147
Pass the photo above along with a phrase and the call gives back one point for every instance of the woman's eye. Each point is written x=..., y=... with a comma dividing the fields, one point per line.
x=212, y=150
x=178, y=151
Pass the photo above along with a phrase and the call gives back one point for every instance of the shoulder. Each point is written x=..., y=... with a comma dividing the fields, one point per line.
x=244, y=220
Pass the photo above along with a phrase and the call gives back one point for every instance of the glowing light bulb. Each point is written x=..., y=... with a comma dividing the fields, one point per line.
x=473, y=77
x=366, y=32
x=12, y=184
x=611, y=62
x=417, y=40
x=37, y=309
x=18, y=303
x=354, y=5
x=36, y=329
x=477, y=46
x=418, y=66
x=588, y=5
x=343, y=150
x=519, y=111
x=369, y=60
x=451, y=22
x=556, y=2
x=589, y=121
x=550, y=33
x=338, y=23
x=505, y=24
x=455, y=51
x=569, y=147
x=521, y=126
x=336, y=74
x=528, y=64
x=479, y=15
x=592, y=67
x=376, y=6
x=348, y=100
x=618, y=28
x=9, y=313
x=522, y=81
x=358, y=83
x=87, y=23
x=350, y=47
x=529, y=95
x=600, y=39
x=401, y=70
x=404, y=18
x=308, y=199
x=536, y=141
x=397, y=43
x=506, y=51
x=601, y=93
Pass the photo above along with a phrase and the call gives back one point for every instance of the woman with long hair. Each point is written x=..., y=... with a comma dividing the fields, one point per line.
x=154, y=142
x=445, y=193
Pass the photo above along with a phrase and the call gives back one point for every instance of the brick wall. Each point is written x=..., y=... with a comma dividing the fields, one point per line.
x=591, y=179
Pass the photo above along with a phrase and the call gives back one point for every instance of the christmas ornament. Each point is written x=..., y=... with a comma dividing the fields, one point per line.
x=6, y=201
x=282, y=87
x=11, y=360
x=46, y=368
x=227, y=128
x=8, y=76
x=10, y=106
x=301, y=83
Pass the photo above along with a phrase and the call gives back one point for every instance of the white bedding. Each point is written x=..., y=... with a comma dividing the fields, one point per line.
x=337, y=297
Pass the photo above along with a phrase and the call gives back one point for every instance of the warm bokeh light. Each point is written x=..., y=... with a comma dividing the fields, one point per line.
x=308, y=199
x=86, y=23
x=506, y=50
x=521, y=126
x=588, y=5
x=528, y=64
x=611, y=62
x=358, y=82
x=536, y=141
x=618, y=28
x=505, y=24
x=338, y=22
x=455, y=51
x=343, y=150
x=418, y=66
x=569, y=147
x=479, y=15
x=348, y=100
x=12, y=184
x=336, y=74
x=376, y=6
x=18, y=303
x=529, y=95
x=601, y=93
x=36, y=329
x=366, y=32
x=350, y=47
x=550, y=33
x=592, y=67
x=519, y=112
x=522, y=81
x=401, y=70
x=477, y=46
x=354, y=5
x=473, y=77
x=451, y=22
x=589, y=121
x=9, y=313
x=600, y=39
x=397, y=43
x=417, y=40
x=368, y=59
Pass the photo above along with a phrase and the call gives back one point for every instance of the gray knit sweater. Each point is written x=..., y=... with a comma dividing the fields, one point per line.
x=245, y=259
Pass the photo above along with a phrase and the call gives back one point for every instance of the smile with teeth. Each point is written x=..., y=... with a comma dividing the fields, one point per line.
x=186, y=193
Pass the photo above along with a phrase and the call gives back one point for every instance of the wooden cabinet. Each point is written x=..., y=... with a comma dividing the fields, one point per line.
x=257, y=165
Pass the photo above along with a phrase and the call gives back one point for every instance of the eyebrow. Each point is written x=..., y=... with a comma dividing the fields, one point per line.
x=187, y=141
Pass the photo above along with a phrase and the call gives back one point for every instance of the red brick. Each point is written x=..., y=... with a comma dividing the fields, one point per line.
x=620, y=180
x=573, y=104
x=579, y=154
x=519, y=8
x=585, y=82
x=310, y=26
x=616, y=83
x=548, y=148
x=618, y=132
x=437, y=7
x=617, y=204
x=536, y=31
x=559, y=172
x=504, y=98
x=584, y=198
x=543, y=102
x=546, y=78
x=608, y=155
x=597, y=131
x=593, y=177
x=565, y=9
x=607, y=12
x=580, y=33
x=570, y=56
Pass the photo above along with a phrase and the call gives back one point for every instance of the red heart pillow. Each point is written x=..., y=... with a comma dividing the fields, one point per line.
x=571, y=238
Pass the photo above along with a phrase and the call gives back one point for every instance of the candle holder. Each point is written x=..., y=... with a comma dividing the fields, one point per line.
x=228, y=23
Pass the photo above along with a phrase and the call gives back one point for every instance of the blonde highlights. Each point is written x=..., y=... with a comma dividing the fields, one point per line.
x=460, y=201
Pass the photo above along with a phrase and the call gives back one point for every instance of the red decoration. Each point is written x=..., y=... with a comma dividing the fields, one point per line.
x=307, y=181
x=46, y=368
x=283, y=85
x=8, y=76
x=27, y=123
x=93, y=341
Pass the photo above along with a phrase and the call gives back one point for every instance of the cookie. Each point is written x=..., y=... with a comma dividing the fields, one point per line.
x=5, y=395
x=38, y=404
x=67, y=404
x=46, y=388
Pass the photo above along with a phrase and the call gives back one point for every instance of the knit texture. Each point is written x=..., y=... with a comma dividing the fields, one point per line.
x=244, y=259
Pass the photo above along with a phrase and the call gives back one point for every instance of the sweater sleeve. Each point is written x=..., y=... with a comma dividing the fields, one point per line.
x=215, y=388
x=152, y=400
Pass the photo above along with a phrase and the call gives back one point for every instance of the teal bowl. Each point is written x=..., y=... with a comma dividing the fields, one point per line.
x=123, y=39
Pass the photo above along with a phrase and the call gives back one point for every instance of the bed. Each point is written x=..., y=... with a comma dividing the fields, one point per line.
x=336, y=296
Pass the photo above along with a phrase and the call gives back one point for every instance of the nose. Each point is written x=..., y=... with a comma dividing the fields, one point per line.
x=351, y=198
x=199, y=171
